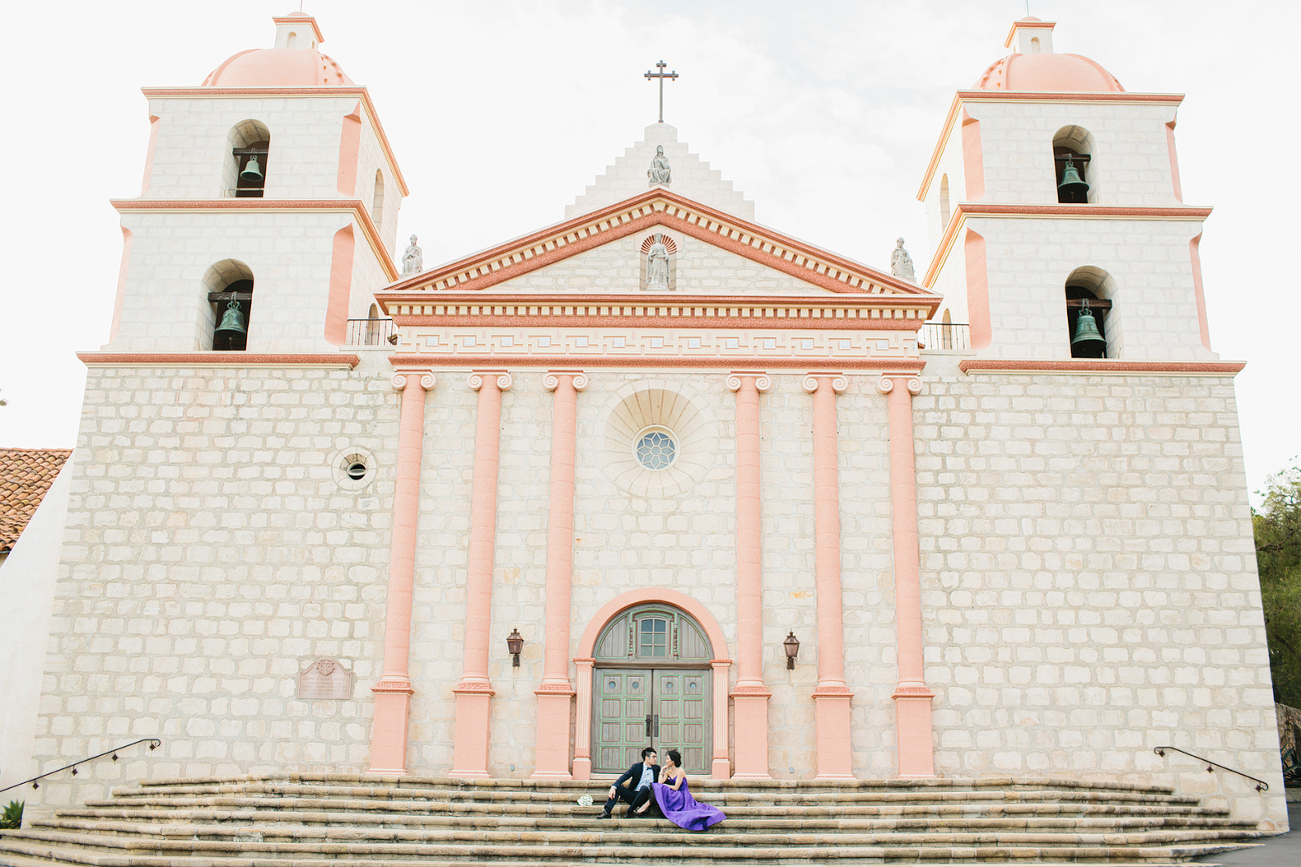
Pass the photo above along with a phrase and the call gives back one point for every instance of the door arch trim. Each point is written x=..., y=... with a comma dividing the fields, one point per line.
x=720, y=765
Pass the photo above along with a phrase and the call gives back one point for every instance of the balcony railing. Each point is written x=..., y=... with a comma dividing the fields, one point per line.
x=944, y=337
x=371, y=332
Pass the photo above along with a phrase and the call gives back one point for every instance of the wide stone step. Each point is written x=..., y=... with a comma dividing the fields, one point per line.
x=158, y=854
x=643, y=832
x=175, y=819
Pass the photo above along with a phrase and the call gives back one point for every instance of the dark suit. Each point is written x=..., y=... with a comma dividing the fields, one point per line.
x=625, y=788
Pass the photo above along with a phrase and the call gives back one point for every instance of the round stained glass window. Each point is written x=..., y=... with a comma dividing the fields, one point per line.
x=656, y=449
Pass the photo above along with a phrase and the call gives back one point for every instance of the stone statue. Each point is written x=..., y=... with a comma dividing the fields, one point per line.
x=413, y=261
x=901, y=264
x=657, y=266
x=659, y=172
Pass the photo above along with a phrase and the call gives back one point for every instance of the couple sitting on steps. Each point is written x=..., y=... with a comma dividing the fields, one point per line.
x=646, y=783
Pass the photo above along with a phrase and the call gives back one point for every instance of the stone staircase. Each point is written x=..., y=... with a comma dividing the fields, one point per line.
x=314, y=820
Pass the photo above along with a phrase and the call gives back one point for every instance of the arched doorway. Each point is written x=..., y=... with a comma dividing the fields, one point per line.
x=652, y=685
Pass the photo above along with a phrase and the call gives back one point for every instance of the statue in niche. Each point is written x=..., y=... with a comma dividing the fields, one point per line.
x=657, y=266
x=901, y=264
x=659, y=172
x=413, y=261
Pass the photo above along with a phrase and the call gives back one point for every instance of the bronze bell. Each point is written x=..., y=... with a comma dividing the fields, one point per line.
x=1087, y=336
x=1072, y=187
x=251, y=171
x=232, y=327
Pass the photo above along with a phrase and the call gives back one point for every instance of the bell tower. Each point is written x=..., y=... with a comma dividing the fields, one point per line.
x=268, y=212
x=1056, y=215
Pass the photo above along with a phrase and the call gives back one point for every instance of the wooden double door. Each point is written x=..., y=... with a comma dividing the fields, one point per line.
x=664, y=708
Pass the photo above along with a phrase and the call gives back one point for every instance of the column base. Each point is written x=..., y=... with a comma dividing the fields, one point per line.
x=750, y=718
x=552, y=753
x=912, y=712
x=721, y=769
x=832, y=715
x=470, y=732
x=582, y=768
x=388, y=737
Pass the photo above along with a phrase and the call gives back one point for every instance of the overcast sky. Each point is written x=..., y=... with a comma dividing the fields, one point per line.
x=501, y=113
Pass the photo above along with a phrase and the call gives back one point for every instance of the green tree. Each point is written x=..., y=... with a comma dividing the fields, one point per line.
x=1277, y=525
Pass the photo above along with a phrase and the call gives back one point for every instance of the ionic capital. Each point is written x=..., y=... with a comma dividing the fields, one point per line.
x=423, y=378
x=479, y=377
x=837, y=382
x=551, y=381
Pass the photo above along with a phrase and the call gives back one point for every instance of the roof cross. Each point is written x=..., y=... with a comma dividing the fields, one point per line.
x=661, y=75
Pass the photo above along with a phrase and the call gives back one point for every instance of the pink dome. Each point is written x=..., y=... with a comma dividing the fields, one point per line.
x=1050, y=73
x=278, y=67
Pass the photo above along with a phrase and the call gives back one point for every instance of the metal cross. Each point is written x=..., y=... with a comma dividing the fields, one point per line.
x=661, y=75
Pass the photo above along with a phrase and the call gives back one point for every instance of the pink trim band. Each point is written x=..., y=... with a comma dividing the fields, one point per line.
x=1196, y=368
x=215, y=359
x=388, y=746
x=641, y=361
x=473, y=693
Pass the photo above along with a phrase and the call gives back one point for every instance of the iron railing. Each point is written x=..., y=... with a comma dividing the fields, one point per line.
x=154, y=744
x=1261, y=785
x=371, y=332
x=944, y=336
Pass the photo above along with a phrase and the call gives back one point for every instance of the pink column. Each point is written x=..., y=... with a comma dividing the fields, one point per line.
x=750, y=696
x=583, y=721
x=388, y=742
x=912, y=698
x=474, y=692
x=831, y=697
x=555, y=693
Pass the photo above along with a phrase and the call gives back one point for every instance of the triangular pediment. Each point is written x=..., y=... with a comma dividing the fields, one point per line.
x=606, y=247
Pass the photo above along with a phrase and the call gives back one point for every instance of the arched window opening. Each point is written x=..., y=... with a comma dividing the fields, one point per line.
x=374, y=326
x=1092, y=326
x=292, y=41
x=1072, y=158
x=377, y=203
x=227, y=307
x=1034, y=45
x=245, y=174
x=946, y=331
x=944, y=203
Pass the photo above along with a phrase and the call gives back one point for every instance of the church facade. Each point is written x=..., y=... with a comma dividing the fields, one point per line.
x=658, y=474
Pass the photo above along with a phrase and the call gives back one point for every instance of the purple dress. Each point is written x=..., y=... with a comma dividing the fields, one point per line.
x=683, y=810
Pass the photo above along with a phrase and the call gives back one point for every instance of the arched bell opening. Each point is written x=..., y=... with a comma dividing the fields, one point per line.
x=245, y=172
x=377, y=201
x=1073, y=166
x=227, y=307
x=1092, y=325
x=652, y=685
x=945, y=209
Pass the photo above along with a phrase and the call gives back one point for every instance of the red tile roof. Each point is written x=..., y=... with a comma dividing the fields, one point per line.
x=25, y=476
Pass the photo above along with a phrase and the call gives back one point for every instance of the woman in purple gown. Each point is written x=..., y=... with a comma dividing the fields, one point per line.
x=673, y=797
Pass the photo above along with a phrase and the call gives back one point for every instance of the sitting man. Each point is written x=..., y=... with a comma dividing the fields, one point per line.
x=635, y=784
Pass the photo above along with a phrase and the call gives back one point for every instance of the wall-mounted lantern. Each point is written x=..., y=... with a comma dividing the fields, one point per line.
x=515, y=644
x=792, y=647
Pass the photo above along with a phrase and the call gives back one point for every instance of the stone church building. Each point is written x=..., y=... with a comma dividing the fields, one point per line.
x=657, y=474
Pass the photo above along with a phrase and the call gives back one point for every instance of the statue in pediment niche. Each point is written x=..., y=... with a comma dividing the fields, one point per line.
x=659, y=172
x=657, y=266
x=901, y=264
x=413, y=260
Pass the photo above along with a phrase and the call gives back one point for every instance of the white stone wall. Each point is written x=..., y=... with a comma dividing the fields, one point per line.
x=164, y=303
x=690, y=176
x=1029, y=259
x=370, y=159
x=1129, y=166
x=191, y=150
x=210, y=556
x=1089, y=585
x=951, y=166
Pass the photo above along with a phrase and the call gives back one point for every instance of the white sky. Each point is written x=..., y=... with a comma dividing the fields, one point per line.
x=823, y=113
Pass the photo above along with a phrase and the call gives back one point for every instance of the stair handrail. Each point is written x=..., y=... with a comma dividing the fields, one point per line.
x=154, y=744
x=1261, y=785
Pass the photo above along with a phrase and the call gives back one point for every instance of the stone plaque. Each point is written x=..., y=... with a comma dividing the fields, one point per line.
x=325, y=679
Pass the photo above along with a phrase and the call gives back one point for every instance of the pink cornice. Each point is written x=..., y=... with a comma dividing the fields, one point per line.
x=301, y=19
x=966, y=210
x=1195, y=368
x=240, y=92
x=1002, y=96
x=641, y=212
x=209, y=359
x=355, y=206
x=428, y=362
